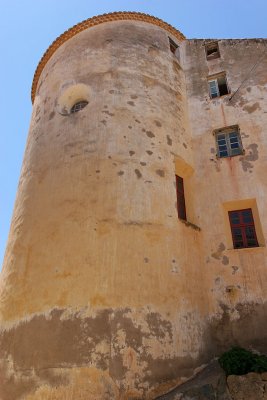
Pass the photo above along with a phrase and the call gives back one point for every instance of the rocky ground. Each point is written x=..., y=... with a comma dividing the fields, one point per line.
x=211, y=384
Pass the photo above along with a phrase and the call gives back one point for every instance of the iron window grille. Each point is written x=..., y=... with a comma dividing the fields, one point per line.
x=78, y=106
x=243, y=228
x=180, y=198
x=228, y=142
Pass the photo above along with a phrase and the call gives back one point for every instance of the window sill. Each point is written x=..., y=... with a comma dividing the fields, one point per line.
x=235, y=155
x=213, y=57
x=220, y=97
x=258, y=248
x=189, y=224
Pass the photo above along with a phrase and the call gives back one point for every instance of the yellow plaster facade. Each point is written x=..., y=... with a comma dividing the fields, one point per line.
x=105, y=293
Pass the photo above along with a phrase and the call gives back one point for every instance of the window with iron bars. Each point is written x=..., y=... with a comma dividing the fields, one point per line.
x=78, y=106
x=228, y=142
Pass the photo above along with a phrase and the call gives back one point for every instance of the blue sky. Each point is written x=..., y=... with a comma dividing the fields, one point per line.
x=28, y=27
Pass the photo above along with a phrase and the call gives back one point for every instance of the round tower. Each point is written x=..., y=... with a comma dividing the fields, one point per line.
x=101, y=290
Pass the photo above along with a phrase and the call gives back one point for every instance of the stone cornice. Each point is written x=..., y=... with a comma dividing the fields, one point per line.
x=88, y=23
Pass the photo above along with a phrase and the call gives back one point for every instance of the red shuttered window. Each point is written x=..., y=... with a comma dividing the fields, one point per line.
x=243, y=228
x=180, y=198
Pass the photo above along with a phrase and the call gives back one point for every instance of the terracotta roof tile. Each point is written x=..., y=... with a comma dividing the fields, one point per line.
x=115, y=16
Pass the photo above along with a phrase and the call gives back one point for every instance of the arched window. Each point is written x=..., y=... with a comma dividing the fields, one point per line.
x=78, y=106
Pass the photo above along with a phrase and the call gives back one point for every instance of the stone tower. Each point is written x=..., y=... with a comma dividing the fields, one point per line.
x=105, y=292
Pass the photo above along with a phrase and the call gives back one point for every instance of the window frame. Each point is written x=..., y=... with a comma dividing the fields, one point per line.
x=181, y=208
x=216, y=86
x=78, y=106
x=172, y=45
x=214, y=55
x=242, y=225
x=215, y=79
x=230, y=149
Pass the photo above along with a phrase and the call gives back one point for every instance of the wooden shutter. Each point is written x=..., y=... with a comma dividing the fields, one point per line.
x=180, y=198
x=243, y=228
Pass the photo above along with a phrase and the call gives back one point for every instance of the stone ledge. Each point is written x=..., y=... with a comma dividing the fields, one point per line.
x=190, y=224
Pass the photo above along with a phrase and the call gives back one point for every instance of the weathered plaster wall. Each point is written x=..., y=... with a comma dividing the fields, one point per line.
x=105, y=294
x=237, y=279
x=100, y=277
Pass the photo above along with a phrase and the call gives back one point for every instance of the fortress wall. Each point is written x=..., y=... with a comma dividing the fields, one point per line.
x=105, y=293
x=236, y=278
x=101, y=283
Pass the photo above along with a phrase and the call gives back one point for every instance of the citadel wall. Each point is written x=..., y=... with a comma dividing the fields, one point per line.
x=236, y=278
x=105, y=293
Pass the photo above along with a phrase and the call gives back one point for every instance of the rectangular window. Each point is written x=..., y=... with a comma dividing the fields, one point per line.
x=228, y=142
x=212, y=50
x=180, y=198
x=243, y=228
x=173, y=45
x=218, y=86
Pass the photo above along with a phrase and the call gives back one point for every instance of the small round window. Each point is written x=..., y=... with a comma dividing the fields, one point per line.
x=78, y=106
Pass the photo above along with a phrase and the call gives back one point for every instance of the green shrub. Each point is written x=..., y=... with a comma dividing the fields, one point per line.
x=238, y=361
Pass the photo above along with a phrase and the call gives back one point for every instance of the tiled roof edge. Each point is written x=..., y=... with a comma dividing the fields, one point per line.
x=88, y=23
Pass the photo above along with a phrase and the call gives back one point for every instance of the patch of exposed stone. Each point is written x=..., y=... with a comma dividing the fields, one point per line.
x=211, y=384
